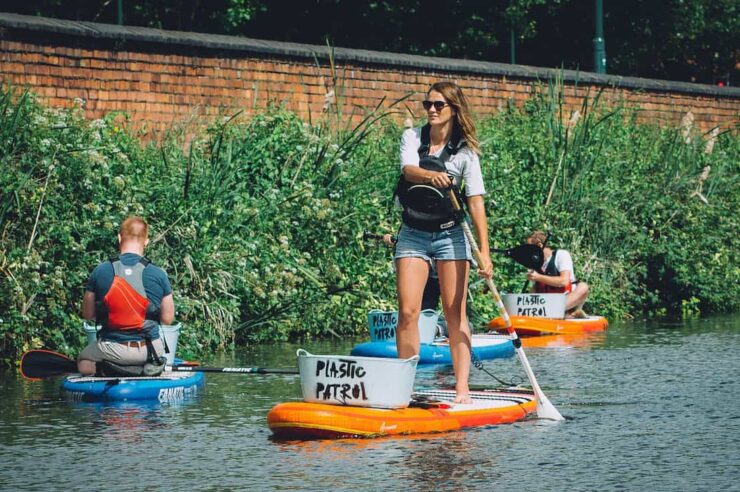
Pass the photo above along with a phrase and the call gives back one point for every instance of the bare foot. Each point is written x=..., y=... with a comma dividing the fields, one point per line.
x=463, y=398
x=576, y=314
x=579, y=314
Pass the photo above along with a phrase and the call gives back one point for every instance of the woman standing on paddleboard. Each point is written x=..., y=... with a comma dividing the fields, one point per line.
x=446, y=147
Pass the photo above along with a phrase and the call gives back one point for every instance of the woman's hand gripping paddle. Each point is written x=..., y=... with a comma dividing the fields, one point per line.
x=545, y=409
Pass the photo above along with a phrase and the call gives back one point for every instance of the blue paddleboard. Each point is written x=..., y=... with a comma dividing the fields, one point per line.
x=170, y=386
x=485, y=347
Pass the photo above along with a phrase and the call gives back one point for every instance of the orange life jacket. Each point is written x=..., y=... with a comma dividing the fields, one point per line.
x=125, y=303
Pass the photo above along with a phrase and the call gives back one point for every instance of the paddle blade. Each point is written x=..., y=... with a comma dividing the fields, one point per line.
x=546, y=410
x=528, y=255
x=41, y=364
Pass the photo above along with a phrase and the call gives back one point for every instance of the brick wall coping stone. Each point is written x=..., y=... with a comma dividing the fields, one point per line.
x=218, y=42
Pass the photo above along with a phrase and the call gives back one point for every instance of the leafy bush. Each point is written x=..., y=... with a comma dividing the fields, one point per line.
x=623, y=198
x=259, y=222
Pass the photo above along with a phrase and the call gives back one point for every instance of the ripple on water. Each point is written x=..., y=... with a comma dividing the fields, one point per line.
x=649, y=407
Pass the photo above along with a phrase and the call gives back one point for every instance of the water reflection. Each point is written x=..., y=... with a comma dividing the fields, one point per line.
x=652, y=406
x=126, y=422
x=435, y=460
x=581, y=340
x=426, y=462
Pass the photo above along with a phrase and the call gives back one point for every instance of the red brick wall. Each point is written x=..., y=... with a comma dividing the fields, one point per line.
x=169, y=81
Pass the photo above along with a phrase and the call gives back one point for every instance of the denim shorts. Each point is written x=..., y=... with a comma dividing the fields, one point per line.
x=449, y=244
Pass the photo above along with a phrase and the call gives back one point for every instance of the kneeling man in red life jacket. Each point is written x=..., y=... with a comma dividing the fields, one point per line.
x=557, y=275
x=129, y=296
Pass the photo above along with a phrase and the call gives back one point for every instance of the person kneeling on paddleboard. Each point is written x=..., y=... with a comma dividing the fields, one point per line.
x=433, y=158
x=556, y=275
x=129, y=296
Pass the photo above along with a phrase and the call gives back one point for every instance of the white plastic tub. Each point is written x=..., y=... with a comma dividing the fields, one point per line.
x=382, y=325
x=535, y=305
x=170, y=333
x=356, y=381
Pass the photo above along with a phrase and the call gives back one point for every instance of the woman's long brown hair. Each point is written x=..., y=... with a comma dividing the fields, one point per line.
x=463, y=120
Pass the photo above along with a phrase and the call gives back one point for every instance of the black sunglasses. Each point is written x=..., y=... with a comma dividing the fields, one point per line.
x=438, y=105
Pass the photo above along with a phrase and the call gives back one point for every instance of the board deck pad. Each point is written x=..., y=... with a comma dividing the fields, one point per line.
x=481, y=399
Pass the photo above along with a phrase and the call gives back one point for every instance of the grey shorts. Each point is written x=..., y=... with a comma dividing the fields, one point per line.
x=119, y=353
x=449, y=244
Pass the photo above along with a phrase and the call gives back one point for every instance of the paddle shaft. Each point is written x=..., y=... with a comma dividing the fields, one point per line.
x=545, y=409
x=231, y=370
x=41, y=364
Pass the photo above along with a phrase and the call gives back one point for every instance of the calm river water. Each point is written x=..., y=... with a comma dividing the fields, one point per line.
x=649, y=406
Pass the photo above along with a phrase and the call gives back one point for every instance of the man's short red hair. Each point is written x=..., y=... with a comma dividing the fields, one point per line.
x=134, y=228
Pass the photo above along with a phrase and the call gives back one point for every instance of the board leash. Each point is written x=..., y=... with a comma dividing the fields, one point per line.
x=478, y=364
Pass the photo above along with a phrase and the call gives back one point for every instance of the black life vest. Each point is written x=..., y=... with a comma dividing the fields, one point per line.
x=425, y=207
x=551, y=271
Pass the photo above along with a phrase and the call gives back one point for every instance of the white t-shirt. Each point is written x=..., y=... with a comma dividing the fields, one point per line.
x=563, y=262
x=464, y=165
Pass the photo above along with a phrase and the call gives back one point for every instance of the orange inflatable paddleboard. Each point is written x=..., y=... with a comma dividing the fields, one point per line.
x=531, y=326
x=431, y=411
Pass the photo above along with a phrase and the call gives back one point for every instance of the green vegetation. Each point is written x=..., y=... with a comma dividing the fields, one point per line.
x=259, y=221
x=648, y=212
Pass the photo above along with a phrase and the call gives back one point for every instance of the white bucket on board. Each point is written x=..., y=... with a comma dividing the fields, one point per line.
x=382, y=325
x=170, y=333
x=535, y=305
x=356, y=381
